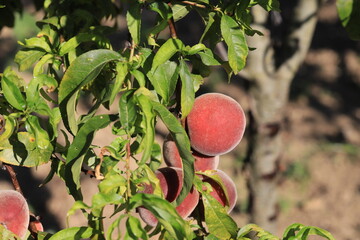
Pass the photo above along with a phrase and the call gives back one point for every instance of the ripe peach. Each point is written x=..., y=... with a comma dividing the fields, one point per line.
x=202, y=163
x=218, y=192
x=216, y=124
x=14, y=212
x=171, y=184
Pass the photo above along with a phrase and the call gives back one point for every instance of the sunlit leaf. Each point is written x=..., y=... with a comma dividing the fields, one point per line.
x=133, y=18
x=81, y=71
x=27, y=57
x=164, y=79
x=349, y=13
x=166, y=214
x=183, y=144
x=79, y=147
x=149, y=136
x=187, y=89
x=166, y=51
x=74, y=233
x=217, y=220
x=235, y=39
x=179, y=11
x=74, y=42
x=12, y=94
x=127, y=110
x=135, y=229
x=23, y=151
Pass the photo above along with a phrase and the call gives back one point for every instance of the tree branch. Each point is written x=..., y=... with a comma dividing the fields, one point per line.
x=13, y=177
x=172, y=28
x=270, y=70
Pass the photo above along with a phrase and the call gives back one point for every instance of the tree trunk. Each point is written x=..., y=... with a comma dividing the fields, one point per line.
x=270, y=69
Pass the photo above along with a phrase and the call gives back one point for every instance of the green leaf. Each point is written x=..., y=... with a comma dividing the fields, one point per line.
x=38, y=42
x=27, y=57
x=164, y=79
x=299, y=231
x=33, y=90
x=74, y=233
x=78, y=205
x=39, y=67
x=255, y=230
x=179, y=11
x=134, y=228
x=23, y=151
x=32, y=125
x=74, y=42
x=162, y=8
x=349, y=14
x=156, y=157
x=196, y=48
x=79, y=147
x=12, y=94
x=166, y=214
x=207, y=57
x=82, y=70
x=212, y=29
x=154, y=181
x=122, y=71
x=235, y=39
x=6, y=234
x=133, y=18
x=149, y=128
x=217, y=220
x=213, y=237
x=139, y=76
x=115, y=225
x=100, y=200
x=187, y=89
x=112, y=182
x=268, y=5
x=166, y=51
x=127, y=110
x=182, y=143
x=13, y=76
x=10, y=124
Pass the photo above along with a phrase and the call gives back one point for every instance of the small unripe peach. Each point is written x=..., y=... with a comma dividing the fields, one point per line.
x=216, y=124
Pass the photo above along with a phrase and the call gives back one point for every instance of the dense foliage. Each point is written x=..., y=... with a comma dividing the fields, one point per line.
x=157, y=76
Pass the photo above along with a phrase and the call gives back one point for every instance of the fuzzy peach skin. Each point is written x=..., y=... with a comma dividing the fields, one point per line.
x=171, y=184
x=202, y=163
x=14, y=212
x=218, y=192
x=216, y=124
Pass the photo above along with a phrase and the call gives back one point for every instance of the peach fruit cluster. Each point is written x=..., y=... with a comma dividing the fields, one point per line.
x=215, y=126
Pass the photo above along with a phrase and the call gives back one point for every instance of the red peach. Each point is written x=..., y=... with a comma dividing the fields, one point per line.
x=14, y=212
x=202, y=163
x=171, y=184
x=216, y=124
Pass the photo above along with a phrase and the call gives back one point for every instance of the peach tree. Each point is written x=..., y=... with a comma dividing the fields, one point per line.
x=153, y=77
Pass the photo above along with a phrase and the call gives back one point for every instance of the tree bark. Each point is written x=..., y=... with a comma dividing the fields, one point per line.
x=270, y=70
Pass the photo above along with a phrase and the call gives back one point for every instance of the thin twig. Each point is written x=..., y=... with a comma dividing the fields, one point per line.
x=13, y=177
x=194, y=4
x=172, y=28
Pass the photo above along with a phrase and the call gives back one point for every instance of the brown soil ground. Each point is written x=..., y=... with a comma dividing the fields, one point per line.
x=321, y=184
